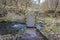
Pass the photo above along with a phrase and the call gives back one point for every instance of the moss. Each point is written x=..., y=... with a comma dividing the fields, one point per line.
x=7, y=20
x=1, y=20
x=47, y=20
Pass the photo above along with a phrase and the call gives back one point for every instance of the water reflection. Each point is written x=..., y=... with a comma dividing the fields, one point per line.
x=11, y=28
x=39, y=26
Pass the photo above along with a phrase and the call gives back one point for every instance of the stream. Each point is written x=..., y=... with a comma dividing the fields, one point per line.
x=12, y=28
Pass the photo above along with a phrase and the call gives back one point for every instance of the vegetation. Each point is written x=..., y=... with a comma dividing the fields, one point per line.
x=49, y=10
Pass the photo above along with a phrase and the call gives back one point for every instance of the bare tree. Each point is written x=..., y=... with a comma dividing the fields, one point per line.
x=3, y=11
x=57, y=1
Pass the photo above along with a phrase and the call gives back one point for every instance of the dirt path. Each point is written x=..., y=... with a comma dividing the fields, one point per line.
x=31, y=34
